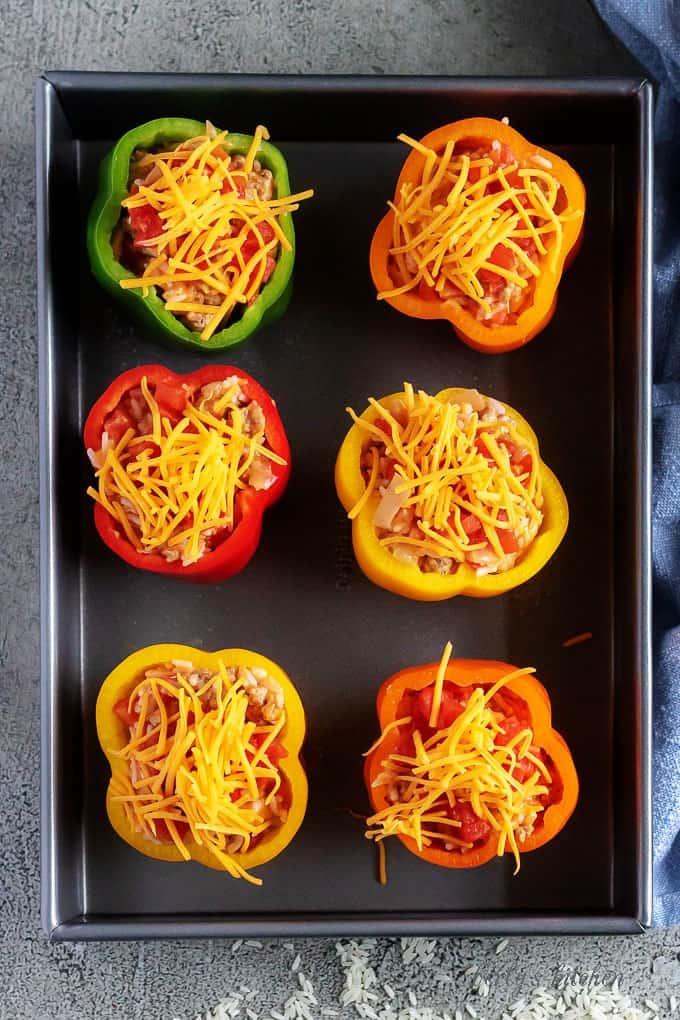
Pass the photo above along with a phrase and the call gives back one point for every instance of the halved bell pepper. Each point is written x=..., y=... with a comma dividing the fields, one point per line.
x=530, y=701
x=113, y=734
x=105, y=213
x=232, y=554
x=491, y=339
x=381, y=567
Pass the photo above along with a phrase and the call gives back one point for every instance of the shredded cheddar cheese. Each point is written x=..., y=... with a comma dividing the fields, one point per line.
x=447, y=226
x=382, y=864
x=463, y=763
x=578, y=639
x=208, y=214
x=451, y=464
x=174, y=494
x=439, y=684
x=198, y=767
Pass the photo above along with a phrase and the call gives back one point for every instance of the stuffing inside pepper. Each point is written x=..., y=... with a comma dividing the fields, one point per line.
x=465, y=768
x=175, y=460
x=202, y=226
x=457, y=482
x=477, y=228
x=202, y=758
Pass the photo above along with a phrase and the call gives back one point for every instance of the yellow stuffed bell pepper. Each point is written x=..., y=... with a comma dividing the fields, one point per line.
x=165, y=716
x=448, y=495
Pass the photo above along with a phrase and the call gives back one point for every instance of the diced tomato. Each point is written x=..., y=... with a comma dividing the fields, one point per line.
x=239, y=187
x=149, y=741
x=524, y=464
x=145, y=223
x=249, y=246
x=217, y=537
x=426, y=292
x=153, y=448
x=266, y=230
x=276, y=750
x=122, y=711
x=168, y=699
x=500, y=256
x=506, y=155
x=472, y=527
x=494, y=188
x=381, y=424
x=510, y=727
x=449, y=290
x=117, y=423
x=252, y=244
x=269, y=267
x=474, y=173
x=405, y=745
x=452, y=704
x=482, y=447
x=523, y=770
x=515, y=181
x=506, y=537
x=473, y=829
x=528, y=245
x=388, y=471
x=163, y=833
x=171, y=400
x=509, y=444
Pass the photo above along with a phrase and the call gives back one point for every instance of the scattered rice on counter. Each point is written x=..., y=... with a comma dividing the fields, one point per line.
x=573, y=996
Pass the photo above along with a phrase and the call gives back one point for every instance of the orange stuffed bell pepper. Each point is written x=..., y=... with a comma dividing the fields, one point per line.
x=165, y=717
x=448, y=495
x=468, y=766
x=481, y=226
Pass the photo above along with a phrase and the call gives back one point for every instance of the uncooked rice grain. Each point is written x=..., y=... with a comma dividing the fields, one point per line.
x=572, y=996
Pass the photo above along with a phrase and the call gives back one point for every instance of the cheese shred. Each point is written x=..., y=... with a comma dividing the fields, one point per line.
x=439, y=684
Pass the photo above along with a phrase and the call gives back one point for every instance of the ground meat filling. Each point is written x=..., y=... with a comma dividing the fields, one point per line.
x=395, y=517
x=266, y=708
x=132, y=248
x=221, y=399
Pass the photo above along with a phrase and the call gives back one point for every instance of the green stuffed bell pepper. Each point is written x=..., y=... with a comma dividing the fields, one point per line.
x=191, y=229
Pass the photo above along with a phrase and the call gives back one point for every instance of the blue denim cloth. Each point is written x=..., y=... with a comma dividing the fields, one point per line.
x=650, y=29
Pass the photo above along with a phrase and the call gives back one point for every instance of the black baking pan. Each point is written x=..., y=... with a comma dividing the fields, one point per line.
x=584, y=385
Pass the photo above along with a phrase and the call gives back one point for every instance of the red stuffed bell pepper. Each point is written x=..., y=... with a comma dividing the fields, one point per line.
x=186, y=465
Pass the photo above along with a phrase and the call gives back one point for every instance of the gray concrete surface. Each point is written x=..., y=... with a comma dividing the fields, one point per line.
x=405, y=36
